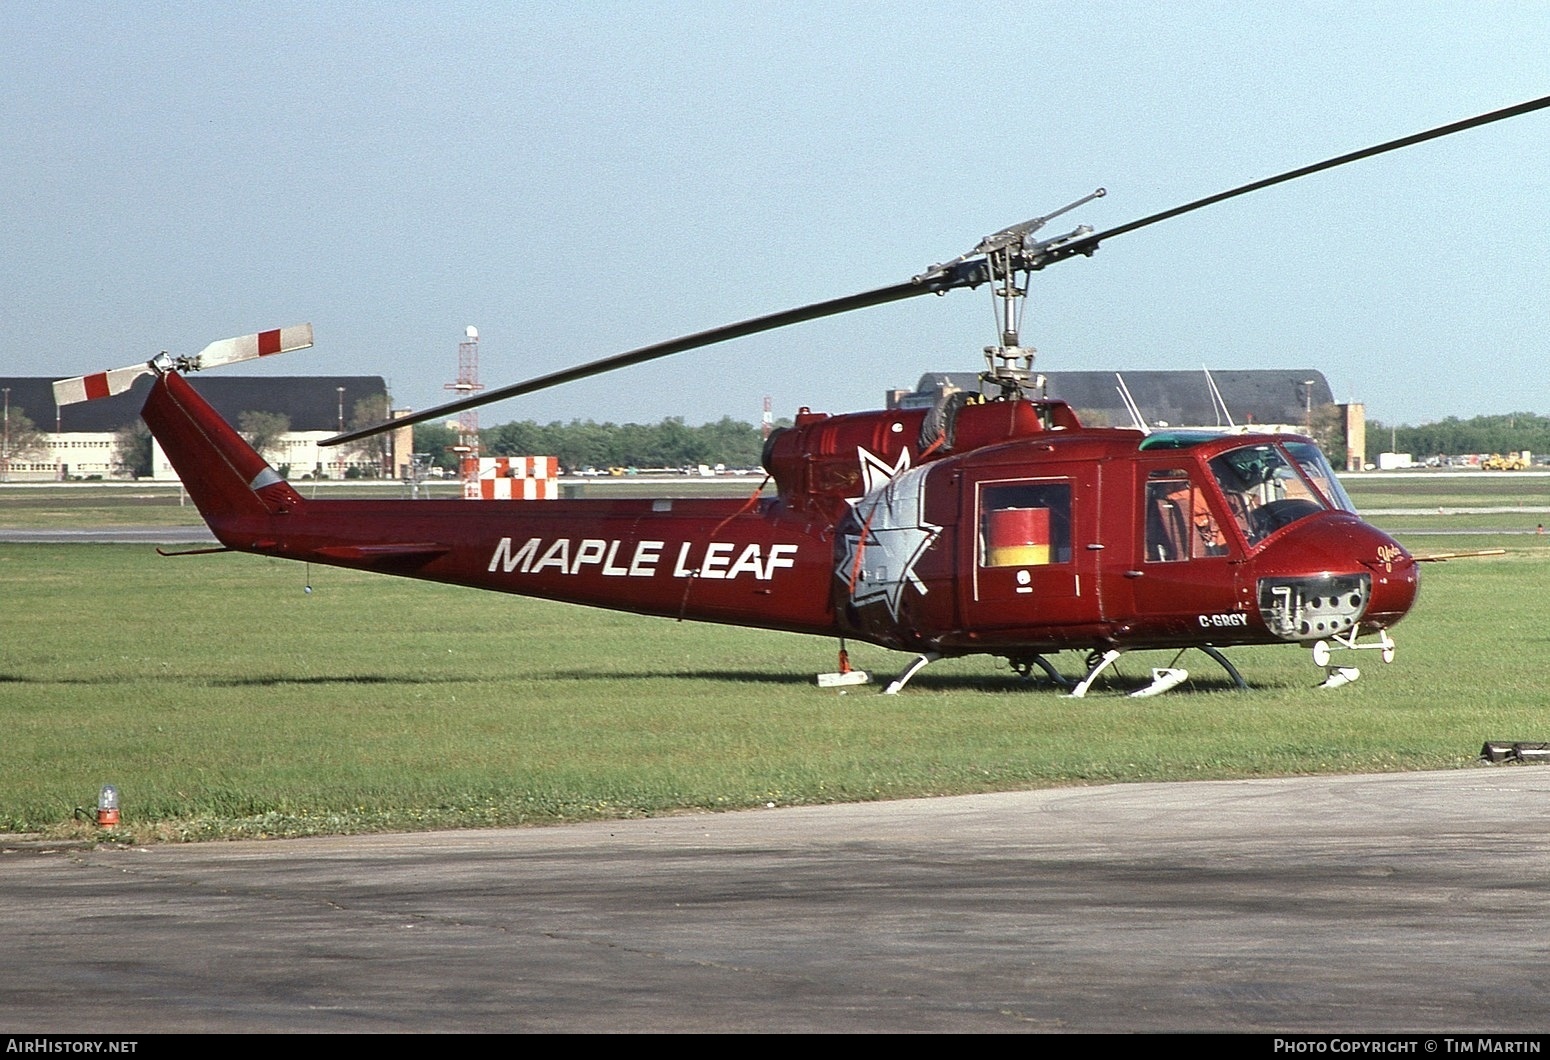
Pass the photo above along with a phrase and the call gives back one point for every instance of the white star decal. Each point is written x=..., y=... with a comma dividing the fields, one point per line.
x=897, y=535
x=875, y=473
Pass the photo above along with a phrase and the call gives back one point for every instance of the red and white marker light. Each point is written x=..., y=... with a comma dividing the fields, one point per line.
x=107, y=807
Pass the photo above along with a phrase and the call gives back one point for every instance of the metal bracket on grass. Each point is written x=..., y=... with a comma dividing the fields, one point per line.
x=1515, y=752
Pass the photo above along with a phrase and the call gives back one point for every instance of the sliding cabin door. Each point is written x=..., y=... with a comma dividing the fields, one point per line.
x=1032, y=558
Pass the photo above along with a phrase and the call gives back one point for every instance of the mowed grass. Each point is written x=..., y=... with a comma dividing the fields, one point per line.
x=224, y=700
x=77, y=505
x=1426, y=489
x=1428, y=499
x=1426, y=504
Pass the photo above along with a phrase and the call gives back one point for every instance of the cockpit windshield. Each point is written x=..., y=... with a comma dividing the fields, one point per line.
x=1267, y=487
x=1313, y=463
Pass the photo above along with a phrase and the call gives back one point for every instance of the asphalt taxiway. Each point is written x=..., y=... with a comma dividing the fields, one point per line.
x=1392, y=903
x=110, y=535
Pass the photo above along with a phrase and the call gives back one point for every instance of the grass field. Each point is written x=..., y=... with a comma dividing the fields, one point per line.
x=1426, y=490
x=86, y=504
x=1423, y=500
x=224, y=700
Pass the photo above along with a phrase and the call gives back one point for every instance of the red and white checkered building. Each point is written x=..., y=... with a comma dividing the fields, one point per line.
x=513, y=478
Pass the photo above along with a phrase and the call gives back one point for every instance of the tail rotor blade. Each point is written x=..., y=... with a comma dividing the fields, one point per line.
x=250, y=347
x=226, y=351
x=98, y=385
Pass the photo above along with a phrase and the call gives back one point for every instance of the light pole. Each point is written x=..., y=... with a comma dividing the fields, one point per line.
x=5, y=447
x=339, y=463
x=1307, y=410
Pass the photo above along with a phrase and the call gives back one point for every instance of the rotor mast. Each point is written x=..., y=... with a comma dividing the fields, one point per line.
x=1004, y=256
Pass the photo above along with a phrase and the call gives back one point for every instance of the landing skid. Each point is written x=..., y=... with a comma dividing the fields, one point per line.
x=1024, y=665
x=1232, y=671
x=1103, y=662
x=1163, y=677
x=922, y=661
x=1340, y=676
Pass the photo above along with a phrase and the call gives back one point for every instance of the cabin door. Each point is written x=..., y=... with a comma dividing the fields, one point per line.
x=1182, y=573
x=1032, y=558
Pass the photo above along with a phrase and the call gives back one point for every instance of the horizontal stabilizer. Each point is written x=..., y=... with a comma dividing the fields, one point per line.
x=226, y=351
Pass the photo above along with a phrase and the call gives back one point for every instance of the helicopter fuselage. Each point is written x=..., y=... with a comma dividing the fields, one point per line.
x=1002, y=527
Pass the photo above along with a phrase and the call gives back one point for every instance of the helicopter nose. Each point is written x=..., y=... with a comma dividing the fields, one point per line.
x=1396, y=582
x=1329, y=574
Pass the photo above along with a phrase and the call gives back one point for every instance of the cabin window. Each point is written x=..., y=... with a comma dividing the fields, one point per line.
x=1179, y=522
x=1025, y=524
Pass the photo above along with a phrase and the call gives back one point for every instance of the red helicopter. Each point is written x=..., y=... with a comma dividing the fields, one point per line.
x=991, y=524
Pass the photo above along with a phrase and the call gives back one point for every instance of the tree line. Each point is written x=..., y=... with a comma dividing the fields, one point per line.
x=1503, y=433
x=583, y=443
x=577, y=444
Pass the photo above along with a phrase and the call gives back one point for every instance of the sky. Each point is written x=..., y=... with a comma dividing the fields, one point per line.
x=577, y=180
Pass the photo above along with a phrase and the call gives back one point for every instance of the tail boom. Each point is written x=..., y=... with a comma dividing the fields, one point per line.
x=716, y=561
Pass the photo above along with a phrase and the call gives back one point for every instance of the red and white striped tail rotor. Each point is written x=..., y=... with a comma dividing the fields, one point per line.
x=98, y=385
x=226, y=351
x=250, y=347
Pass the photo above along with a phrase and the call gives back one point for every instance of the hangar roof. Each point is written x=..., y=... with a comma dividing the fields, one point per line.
x=1259, y=396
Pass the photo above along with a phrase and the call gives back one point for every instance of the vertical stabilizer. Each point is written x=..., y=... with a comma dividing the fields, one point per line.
x=226, y=478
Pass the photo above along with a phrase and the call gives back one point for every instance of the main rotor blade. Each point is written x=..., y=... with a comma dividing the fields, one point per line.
x=963, y=273
x=1087, y=244
x=665, y=349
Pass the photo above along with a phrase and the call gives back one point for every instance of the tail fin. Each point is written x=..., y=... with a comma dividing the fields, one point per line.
x=227, y=480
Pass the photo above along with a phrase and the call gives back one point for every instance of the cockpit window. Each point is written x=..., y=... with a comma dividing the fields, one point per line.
x=1265, y=490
